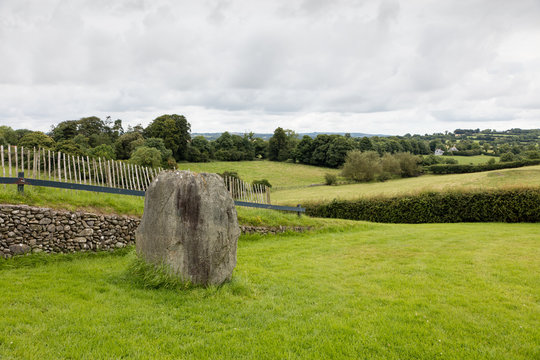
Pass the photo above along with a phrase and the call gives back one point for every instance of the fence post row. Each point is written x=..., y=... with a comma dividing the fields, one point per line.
x=115, y=174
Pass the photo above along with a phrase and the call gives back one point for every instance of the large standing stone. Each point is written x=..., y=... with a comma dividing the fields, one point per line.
x=190, y=225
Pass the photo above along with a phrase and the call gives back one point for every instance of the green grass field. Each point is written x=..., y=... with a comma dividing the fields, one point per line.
x=278, y=173
x=343, y=290
x=452, y=291
x=521, y=177
x=475, y=160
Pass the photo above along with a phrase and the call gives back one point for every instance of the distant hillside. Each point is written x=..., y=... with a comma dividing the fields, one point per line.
x=213, y=136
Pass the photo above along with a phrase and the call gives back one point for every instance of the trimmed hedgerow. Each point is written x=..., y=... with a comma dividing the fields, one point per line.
x=462, y=168
x=516, y=205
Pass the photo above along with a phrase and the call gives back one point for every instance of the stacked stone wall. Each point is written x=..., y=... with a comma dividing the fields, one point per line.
x=25, y=229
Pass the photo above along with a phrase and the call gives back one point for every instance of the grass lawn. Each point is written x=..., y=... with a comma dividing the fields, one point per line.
x=525, y=176
x=374, y=291
x=279, y=174
x=475, y=160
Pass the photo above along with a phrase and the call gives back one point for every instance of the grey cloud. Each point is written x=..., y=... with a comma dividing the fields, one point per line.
x=339, y=63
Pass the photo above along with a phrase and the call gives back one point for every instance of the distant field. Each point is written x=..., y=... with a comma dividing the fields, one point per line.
x=479, y=159
x=278, y=173
x=526, y=176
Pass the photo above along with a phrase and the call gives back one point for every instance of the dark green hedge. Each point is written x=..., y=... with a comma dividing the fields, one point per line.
x=460, y=169
x=519, y=205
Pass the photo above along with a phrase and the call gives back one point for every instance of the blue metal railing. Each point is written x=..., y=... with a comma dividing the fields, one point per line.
x=21, y=181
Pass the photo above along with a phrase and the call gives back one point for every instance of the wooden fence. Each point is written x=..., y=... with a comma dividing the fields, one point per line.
x=45, y=164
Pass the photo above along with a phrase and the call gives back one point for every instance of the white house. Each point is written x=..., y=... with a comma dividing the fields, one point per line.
x=439, y=152
x=453, y=148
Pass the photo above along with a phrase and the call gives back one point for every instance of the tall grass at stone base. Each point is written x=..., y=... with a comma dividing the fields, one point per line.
x=505, y=205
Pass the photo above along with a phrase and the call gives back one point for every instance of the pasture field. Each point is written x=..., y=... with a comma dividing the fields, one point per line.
x=475, y=160
x=520, y=177
x=290, y=186
x=279, y=174
x=377, y=291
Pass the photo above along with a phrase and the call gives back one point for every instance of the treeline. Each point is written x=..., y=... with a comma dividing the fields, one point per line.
x=167, y=140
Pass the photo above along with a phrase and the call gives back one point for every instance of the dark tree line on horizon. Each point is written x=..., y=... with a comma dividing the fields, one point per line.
x=167, y=140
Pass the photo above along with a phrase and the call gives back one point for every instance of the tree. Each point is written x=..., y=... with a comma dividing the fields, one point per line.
x=362, y=166
x=175, y=132
x=146, y=156
x=103, y=151
x=260, y=147
x=279, y=146
x=36, y=139
x=199, y=150
x=7, y=135
x=321, y=144
x=65, y=130
x=507, y=157
x=68, y=147
x=88, y=126
x=124, y=146
x=365, y=144
x=158, y=144
x=304, y=150
x=408, y=163
x=390, y=166
x=337, y=151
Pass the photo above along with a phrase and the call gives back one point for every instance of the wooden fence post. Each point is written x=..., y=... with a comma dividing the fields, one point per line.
x=9, y=159
x=65, y=168
x=16, y=161
x=3, y=167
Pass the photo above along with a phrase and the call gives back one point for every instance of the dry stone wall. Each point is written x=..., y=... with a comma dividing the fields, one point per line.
x=25, y=229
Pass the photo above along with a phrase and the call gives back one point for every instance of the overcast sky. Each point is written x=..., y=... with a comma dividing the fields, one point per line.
x=388, y=66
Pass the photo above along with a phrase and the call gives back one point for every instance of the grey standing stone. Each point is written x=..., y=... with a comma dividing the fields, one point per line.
x=190, y=225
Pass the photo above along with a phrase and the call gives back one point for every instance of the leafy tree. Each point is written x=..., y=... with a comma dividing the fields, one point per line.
x=117, y=129
x=508, y=157
x=69, y=147
x=337, y=151
x=65, y=130
x=233, y=148
x=103, y=151
x=263, y=182
x=321, y=144
x=365, y=144
x=146, y=156
x=199, y=150
x=82, y=141
x=279, y=146
x=156, y=143
x=362, y=166
x=390, y=166
x=304, y=150
x=124, y=146
x=89, y=126
x=330, y=179
x=260, y=147
x=36, y=139
x=7, y=135
x=175, y=132
x=409, y=164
